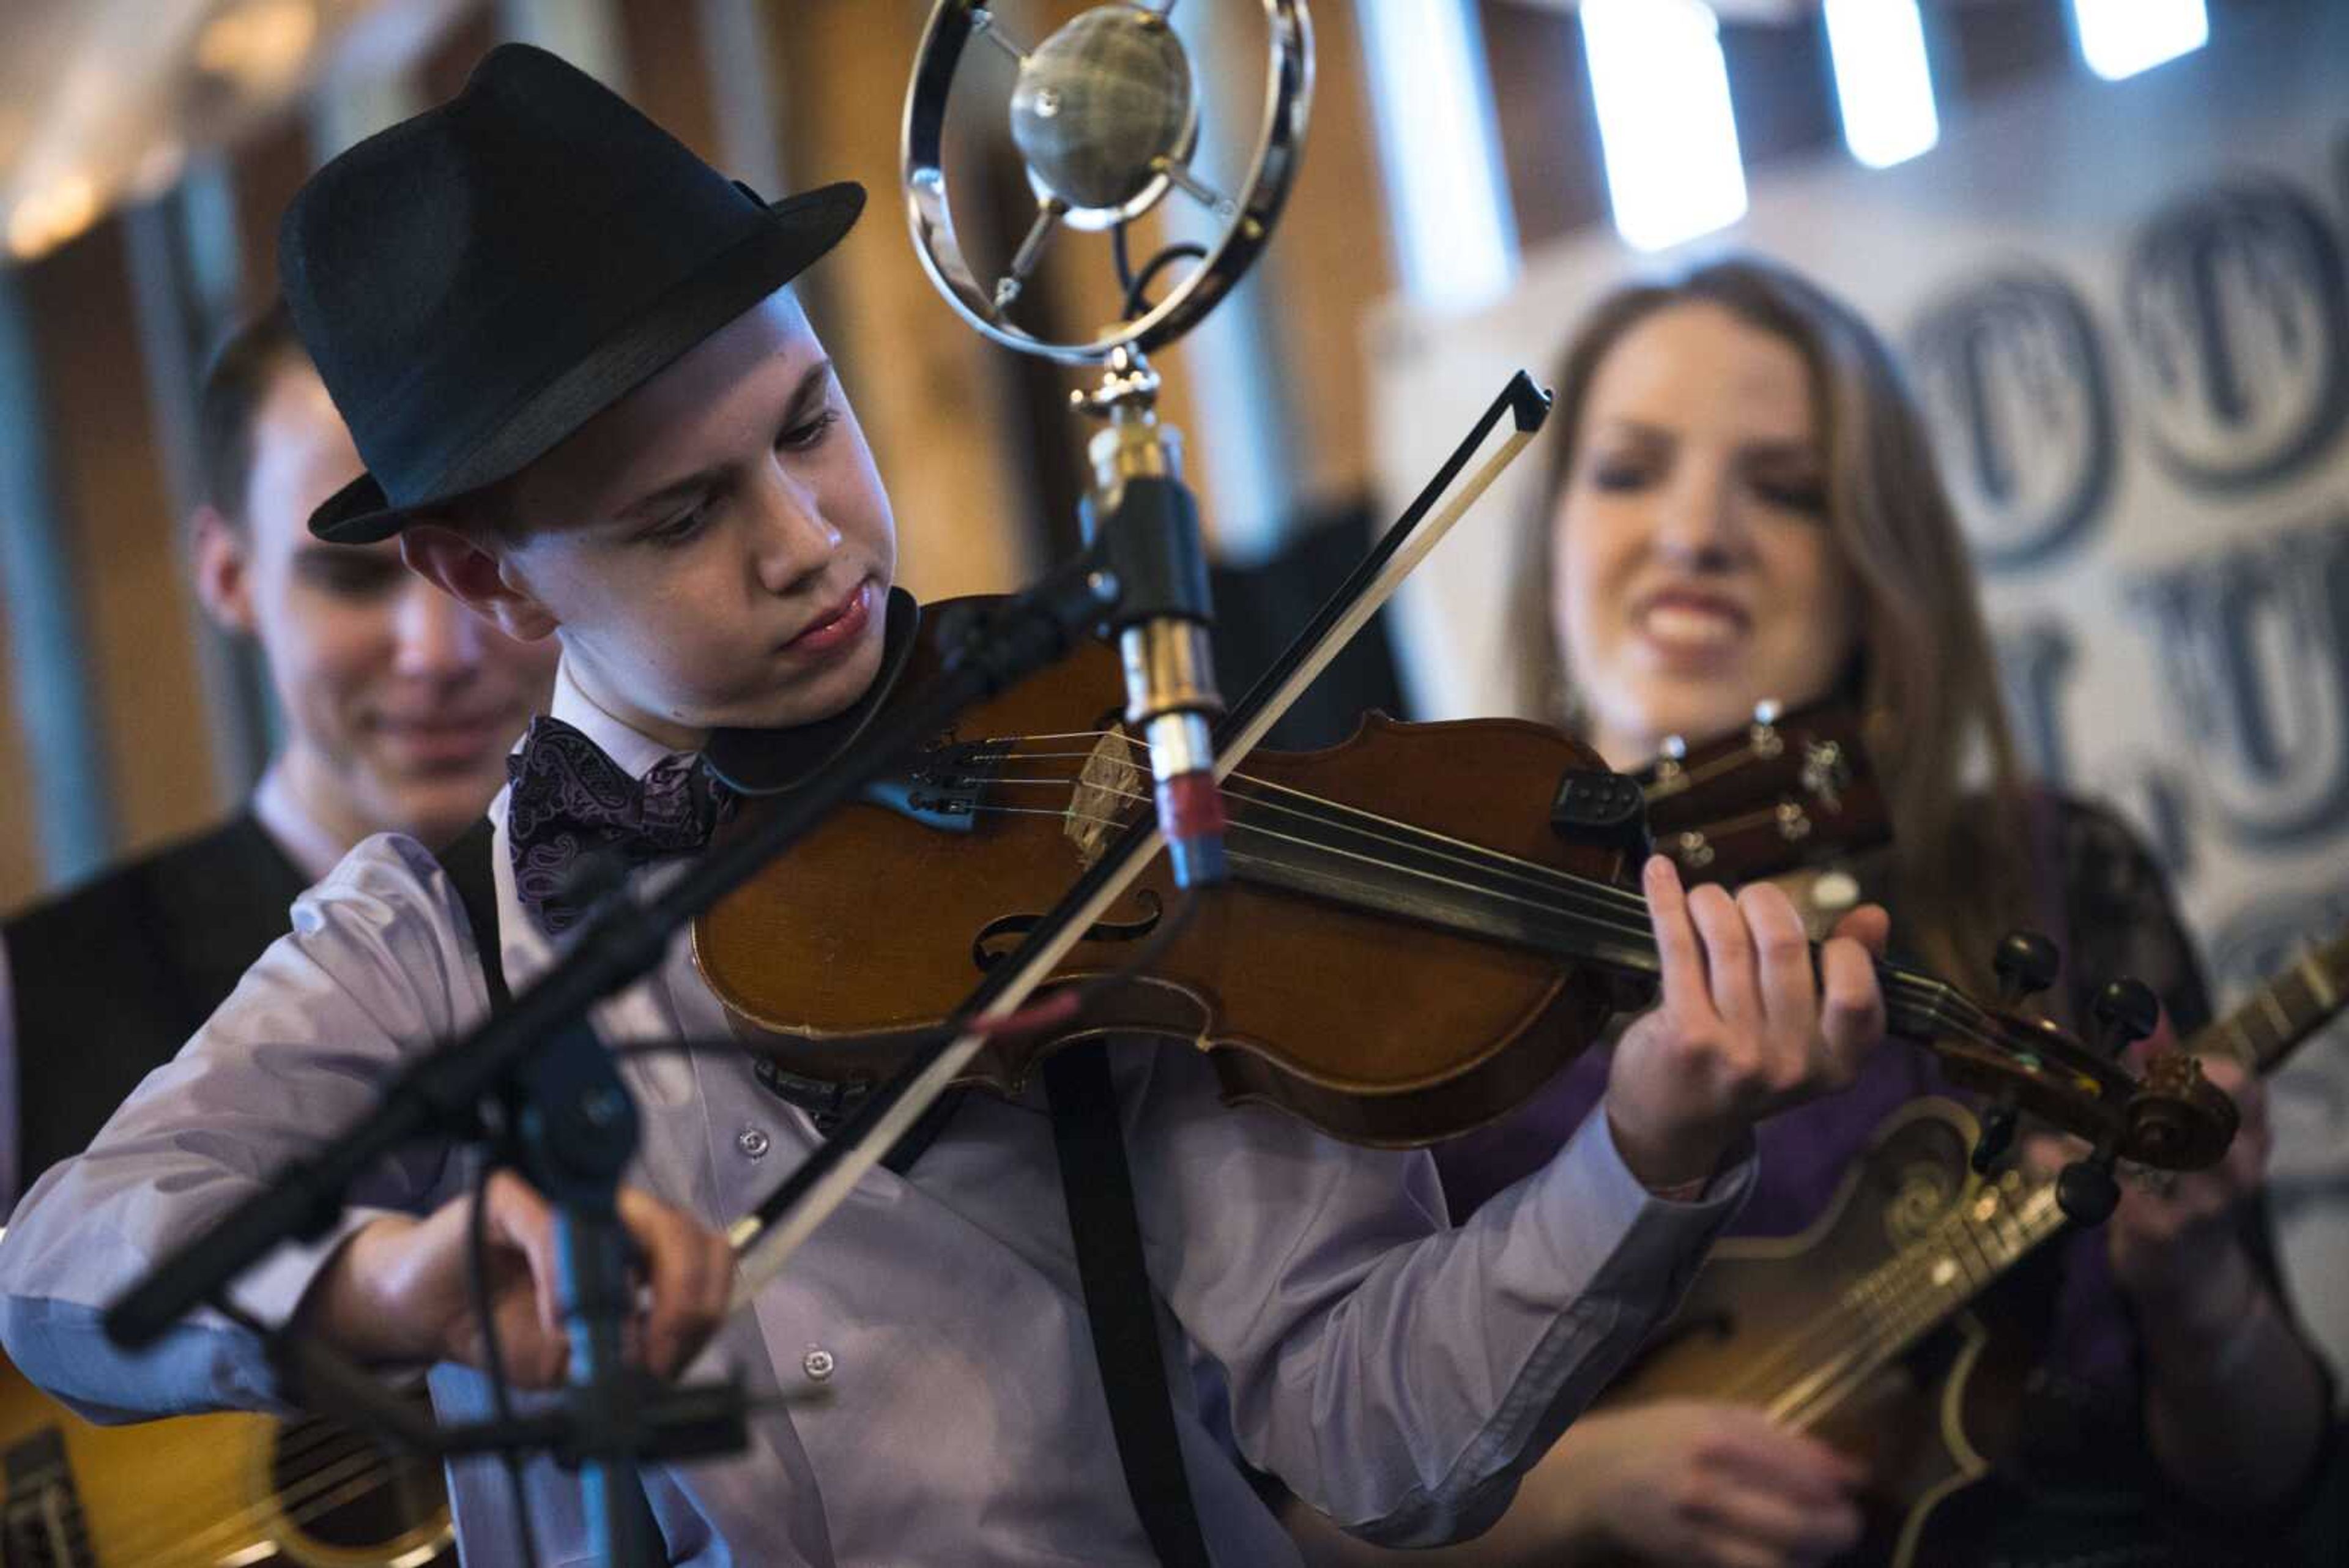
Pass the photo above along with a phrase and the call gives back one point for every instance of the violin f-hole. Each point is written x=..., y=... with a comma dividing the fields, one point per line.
x=998, y=938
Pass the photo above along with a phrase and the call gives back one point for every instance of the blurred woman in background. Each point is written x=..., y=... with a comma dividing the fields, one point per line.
x=1742, y=505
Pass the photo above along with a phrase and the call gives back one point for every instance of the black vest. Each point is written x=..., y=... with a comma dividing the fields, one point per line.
x=111, y=979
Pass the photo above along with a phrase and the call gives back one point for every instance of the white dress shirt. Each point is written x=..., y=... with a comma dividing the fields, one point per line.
x=1392, y=1371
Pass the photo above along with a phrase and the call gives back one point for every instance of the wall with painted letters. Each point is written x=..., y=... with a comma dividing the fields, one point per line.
x=2125, y=307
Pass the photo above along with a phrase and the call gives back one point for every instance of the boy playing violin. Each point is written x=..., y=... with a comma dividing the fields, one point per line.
x=592, y=410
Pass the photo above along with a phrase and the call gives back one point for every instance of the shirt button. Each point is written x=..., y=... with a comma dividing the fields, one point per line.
x=818, y=1364
x=753, y=1142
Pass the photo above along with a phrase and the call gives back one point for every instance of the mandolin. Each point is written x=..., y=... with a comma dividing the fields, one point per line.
x=203, y=1492
x=1870, y=1329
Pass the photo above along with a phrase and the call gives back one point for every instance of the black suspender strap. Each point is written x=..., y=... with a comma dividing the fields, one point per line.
x=1099, y=1187
x=474, y=877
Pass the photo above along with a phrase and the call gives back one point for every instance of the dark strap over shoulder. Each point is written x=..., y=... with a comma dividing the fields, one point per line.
x=1099, y=1187
x=474, y=875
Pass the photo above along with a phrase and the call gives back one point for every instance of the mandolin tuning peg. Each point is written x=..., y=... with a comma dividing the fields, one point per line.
x=1671, y=762
x=1997, y=1134
x=2086, y=1189
x=2027, y=963
x=2125, y=1012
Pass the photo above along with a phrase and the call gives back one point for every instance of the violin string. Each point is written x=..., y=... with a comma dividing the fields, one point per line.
x=1485, y=855
x=1478, y=856
x=1637, y=933
x=1475, y=857
x=1955, y=1011
x=1927, y=998
x=1241, y=822
x=1506, y=870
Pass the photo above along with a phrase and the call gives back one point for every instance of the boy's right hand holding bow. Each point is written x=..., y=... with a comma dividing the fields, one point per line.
x=397, y=1290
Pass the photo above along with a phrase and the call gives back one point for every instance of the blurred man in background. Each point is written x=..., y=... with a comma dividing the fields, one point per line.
x=397, y=708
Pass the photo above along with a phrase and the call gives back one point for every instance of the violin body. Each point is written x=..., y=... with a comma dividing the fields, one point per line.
x=1340, y=975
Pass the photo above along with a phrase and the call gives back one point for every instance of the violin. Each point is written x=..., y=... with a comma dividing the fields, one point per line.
x=1408, y=947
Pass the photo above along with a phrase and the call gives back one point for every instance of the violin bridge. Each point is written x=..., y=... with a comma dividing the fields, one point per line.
x=1107, y=787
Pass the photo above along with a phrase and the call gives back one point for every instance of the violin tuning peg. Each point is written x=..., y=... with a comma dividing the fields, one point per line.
x=1997, y=1134
x=1675, y=748
x=2027, y=963
x=1600, y=809
x=1768, y=711
x=2087, y=1191
x=1763, y=737
x=2126, y=1011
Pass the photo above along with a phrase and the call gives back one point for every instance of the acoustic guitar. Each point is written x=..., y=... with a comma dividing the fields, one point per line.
x=1840, y=1330
x=208, y=1491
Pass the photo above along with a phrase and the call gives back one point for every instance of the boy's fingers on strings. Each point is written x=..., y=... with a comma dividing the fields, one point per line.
x=1681, y=955
x=1728, y=958
x=1851, y=1007
x=1869, y=925
x=1789, y=990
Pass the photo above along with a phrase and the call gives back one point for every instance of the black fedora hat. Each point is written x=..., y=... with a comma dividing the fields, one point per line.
x=478, y=281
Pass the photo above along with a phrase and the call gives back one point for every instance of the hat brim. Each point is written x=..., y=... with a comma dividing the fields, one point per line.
x=796, y=232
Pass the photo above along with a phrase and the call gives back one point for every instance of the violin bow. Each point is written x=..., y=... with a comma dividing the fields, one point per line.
x=768, y=1236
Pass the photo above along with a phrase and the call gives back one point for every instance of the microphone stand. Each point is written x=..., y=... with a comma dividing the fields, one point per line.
x=574, y=1117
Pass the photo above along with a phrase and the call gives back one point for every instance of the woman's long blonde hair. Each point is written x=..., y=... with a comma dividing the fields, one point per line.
x=1924, y=675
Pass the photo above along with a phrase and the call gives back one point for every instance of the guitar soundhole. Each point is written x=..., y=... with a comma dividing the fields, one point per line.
x=346, y=1491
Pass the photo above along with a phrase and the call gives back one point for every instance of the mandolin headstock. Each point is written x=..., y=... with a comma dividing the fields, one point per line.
x=1785, y=792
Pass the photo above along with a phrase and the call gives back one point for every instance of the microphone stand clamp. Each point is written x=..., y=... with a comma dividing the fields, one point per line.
x=1142, y=523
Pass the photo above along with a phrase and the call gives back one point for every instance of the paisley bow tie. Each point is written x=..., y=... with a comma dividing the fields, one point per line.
x=571, y=802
